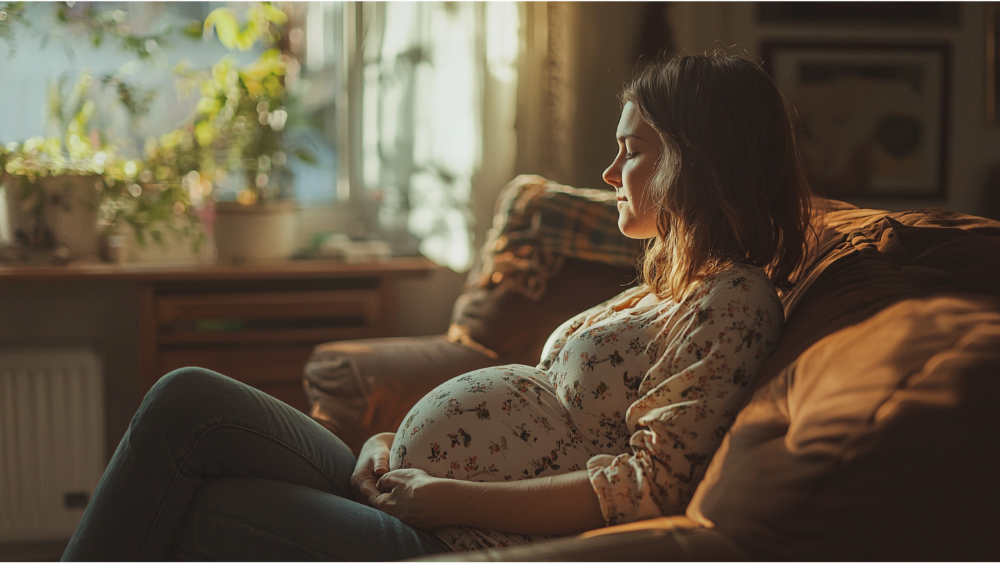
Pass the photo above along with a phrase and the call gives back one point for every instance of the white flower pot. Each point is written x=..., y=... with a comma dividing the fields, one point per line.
x=71, y=206
x=253, y=233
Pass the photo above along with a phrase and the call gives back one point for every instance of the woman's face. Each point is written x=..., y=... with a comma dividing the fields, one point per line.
x=638, y=151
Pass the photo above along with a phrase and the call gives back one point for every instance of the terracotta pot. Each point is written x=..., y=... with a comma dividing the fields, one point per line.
x=258, y=232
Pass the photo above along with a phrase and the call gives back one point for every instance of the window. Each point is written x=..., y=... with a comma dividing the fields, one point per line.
x=390, y=100
x=401, y=88
x=315, y=36
x=426, y=67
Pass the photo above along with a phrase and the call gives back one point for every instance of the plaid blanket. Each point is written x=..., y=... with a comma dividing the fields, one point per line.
x=538, y=224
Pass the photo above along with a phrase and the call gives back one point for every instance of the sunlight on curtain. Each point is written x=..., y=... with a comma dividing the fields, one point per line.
x=425, y=66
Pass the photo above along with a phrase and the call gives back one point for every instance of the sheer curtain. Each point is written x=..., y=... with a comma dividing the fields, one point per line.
x=427, y=66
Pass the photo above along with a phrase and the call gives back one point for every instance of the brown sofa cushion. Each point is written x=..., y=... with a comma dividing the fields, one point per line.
x=865, y=437
x=844, y=230
x=871, y=259
x=878, y=443
x=664, y=539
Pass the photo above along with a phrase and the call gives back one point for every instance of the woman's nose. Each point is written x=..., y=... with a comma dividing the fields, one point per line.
x=613, y=175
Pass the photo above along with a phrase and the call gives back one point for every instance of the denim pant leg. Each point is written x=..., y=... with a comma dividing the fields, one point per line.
x=195, y=425
x=250, y=519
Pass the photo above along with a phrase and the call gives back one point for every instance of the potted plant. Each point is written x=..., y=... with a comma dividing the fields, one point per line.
x=233, y=144
x=72, y=193
x=241, y=118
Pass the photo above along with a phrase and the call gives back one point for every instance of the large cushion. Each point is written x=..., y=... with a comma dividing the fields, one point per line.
x=878, y=443
x=869, y=434
x=866, y=260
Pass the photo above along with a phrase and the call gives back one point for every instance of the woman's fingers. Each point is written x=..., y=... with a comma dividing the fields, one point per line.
x=368, y=488
x=388, y=481
x=402, y=494
x=380, y=462
x=365, y=476
x=392, y=479
x=372, y=463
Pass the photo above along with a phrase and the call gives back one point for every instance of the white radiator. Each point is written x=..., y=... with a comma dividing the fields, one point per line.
x=51, y=440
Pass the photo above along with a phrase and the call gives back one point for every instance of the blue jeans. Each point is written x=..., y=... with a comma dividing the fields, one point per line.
x=212, y=469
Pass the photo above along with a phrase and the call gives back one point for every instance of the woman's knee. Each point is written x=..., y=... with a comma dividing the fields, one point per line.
x=186, y=384
x=183, y=394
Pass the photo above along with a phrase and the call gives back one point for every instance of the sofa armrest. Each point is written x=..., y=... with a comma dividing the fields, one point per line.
x=674, y=538
x=362, y=387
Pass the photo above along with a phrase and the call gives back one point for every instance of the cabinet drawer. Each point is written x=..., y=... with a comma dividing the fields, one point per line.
x=267, y=317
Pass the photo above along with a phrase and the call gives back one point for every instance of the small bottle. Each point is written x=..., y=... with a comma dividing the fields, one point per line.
x=115, y=250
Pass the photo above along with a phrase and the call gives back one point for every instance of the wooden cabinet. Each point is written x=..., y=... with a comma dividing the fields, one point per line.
x=256, y=323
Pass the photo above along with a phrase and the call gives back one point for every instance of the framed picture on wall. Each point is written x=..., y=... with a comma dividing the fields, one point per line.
x=992, y=63
x=872, y=119
x=859, y=13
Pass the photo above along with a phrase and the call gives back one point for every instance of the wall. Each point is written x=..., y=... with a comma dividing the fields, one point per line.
x=590, y=53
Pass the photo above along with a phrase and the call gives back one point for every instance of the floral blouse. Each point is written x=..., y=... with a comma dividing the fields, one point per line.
x=638, y=395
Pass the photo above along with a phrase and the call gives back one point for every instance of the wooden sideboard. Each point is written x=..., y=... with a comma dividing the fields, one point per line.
x=256, y=323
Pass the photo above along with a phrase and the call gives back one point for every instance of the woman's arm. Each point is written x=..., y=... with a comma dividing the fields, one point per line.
x=702, y=364
x=557, y=505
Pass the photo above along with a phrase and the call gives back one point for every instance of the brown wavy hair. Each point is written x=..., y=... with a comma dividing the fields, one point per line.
x=729, y=183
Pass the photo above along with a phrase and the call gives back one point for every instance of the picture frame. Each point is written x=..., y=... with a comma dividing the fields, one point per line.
x=871, y=119
x=936, y=14
x=992, y=63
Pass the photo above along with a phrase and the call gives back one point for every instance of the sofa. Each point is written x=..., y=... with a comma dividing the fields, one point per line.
x=869, y=433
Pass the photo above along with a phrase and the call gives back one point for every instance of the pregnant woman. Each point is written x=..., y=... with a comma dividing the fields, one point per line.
x=616, y=423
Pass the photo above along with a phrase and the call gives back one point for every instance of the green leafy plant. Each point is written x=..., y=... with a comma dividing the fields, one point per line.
x=236, y=134
x=131, y=191
x=85, y=18
x=260, y=18
x=239, y=121
x=242, y=112
x=236, y=131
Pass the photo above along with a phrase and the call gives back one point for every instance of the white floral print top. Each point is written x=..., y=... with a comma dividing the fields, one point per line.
x=639, y=396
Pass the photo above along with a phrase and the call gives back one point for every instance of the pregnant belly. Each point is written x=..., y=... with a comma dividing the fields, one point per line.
x=495, y=424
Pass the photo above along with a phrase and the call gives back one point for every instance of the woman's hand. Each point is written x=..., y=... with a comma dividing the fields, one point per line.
x=414, y=497
x=373, y=462
x=557, y=505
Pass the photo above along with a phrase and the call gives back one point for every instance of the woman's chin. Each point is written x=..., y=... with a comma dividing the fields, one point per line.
x=632, y=231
